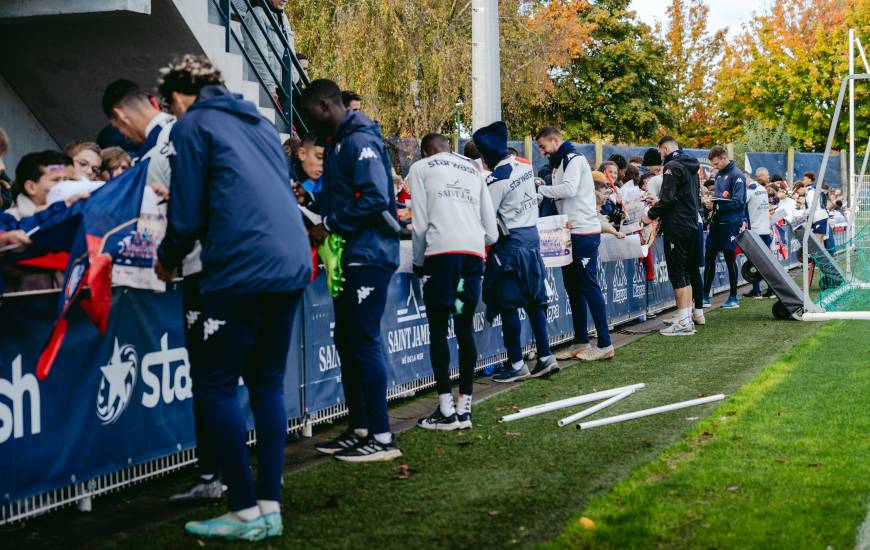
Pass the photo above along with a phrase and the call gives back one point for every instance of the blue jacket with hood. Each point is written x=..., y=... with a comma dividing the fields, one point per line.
x=357, y=189
x=230, y=190
x=730, y=185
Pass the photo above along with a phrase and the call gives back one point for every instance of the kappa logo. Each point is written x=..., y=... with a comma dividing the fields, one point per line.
x=367, y=153
x=668, y=172
x=211, y=326
x=584, y=261
x=620, y=283
x=363, y=292
x=672, y=246
x=550, y=286
x=639, y=280
x=414, y=309
x=733, y=238
x=116, y=383
x=192, y=317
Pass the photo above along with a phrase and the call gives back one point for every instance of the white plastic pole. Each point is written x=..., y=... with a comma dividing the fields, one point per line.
x=569, y=402
x=485, y=64
x=837, y=315
x=851, y=173
x=649, y=412
x=594, y=408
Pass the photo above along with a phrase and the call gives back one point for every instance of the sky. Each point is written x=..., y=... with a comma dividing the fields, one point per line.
x=723, y=13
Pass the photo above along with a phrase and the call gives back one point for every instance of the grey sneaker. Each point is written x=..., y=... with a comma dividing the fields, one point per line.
x=510, y=374
x=683, y=328
x=201, y=490
x=545, y=366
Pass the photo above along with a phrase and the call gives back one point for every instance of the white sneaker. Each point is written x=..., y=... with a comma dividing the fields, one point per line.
x=683, y=328
x=571, y=353
x=594, y=353
x=698, y=317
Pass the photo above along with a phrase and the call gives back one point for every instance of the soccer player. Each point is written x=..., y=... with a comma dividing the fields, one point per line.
x=357, y=203
x=453, y=222
x=514, y=276
x=677, y=209
x=574, y=191
x=758, y=214
x=230, y=190
x=728, y=205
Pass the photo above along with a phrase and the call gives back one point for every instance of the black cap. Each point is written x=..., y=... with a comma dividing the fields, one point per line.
x=651, y=157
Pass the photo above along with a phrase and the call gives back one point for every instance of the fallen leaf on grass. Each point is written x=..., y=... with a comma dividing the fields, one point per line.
x=359, y=490
x=493, y=513
x=409, y=511
x=513, y=434
x=404, y=471
x=464, y=443
x=733, y=488
x=736, y=437
x=780, y=461
x=439, y=451
x=814, y=465
x=586, y=523
x=200, y=542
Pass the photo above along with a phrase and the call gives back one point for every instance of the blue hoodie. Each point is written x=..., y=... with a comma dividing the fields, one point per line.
x=357, y=188
x=731, y=185
x=230, y=190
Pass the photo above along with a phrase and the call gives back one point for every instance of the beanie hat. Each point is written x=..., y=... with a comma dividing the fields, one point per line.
x=598, y=177
x=651, y=157
x=491, y=141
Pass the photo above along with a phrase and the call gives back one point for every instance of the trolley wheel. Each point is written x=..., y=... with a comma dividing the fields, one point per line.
x=780, y=312
x=750, y=272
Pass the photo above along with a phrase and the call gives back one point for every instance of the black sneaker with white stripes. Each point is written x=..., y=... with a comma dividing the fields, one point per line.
x=371, y=450
x=438, y=421
x=347, y=440
x=464, y=420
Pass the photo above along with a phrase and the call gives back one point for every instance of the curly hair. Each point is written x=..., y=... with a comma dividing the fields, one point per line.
x=187, y=75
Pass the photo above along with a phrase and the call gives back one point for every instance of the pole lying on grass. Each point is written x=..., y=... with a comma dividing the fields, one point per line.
x=595, y=408
x=649, y=412
x=570, y=402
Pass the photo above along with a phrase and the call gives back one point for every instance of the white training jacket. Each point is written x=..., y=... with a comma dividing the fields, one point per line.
x=453, y=213
x=758, y=208
x=574, y=192
x=512, y=189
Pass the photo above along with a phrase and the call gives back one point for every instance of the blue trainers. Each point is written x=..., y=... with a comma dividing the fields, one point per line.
x=228, y=527
x=510, y=374
x=274, y=524
x=706, y=301
x=731, y=303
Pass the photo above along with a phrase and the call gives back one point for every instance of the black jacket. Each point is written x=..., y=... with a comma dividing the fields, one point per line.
x=679, y=199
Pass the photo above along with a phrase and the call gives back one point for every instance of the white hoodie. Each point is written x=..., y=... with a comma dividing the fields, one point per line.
x=574, y=192
x=453, y=213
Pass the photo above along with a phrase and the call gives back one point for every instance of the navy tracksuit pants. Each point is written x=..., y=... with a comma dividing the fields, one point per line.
x=581, y=283
x=358, y=312
x=248, y=336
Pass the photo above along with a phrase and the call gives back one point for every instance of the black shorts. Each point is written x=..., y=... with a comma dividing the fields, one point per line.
x=682, y=252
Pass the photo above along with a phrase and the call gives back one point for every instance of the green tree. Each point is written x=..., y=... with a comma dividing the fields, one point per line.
x=758, y=137
x=614, y=88
x=693, y=54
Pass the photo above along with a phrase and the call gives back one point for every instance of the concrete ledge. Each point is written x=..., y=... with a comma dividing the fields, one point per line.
x=44, y=8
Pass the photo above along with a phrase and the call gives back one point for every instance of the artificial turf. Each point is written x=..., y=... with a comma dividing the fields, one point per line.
x=783, y=464
x=517, y=484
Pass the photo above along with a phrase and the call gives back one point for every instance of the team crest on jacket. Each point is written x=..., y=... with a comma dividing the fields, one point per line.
x=725, y=194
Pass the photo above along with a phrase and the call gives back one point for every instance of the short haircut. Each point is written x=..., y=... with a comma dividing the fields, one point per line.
x=322, y=89
x=187, y=75
x=602, y=185
x=810, y=175
x=31, y=165
x=470, y=150
x=775, y=178
x=635, y=160
x=762, y=171
x=669, y=139
x=619, y=160
x=77, y=147
x=434, y=141
x=112, y=157
x=717, y=152
x=548, y=132
x=4, y=142
x=310, y=140
x=632, y=173
x=119, y=92
x=348, y=95
x=301, y=56
x=605, y=164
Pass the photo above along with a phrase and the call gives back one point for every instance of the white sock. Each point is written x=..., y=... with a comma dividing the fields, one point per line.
x=206, y=478
x=269, y=506
x=684, y=314
x=445, y=403
x=517, y=365
x=545, y=359
x=464, y=404
x=361, y=432
x=383, y=438
x=248, y=514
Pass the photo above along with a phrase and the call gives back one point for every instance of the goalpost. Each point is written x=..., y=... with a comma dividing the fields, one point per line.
x=844, y=276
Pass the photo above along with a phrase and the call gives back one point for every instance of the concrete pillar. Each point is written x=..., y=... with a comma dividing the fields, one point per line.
x=599, y=153
x=485, y=64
